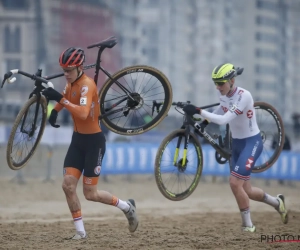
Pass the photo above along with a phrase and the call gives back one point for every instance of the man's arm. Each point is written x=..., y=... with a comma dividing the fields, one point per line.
x=58, y=107
x=82, y=110
x=233, y=112
x=218, y=119
x=218, y=110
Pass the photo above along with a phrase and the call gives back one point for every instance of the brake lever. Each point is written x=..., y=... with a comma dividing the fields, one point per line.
x=3, y=83
x=157, y=106
x=7, y=78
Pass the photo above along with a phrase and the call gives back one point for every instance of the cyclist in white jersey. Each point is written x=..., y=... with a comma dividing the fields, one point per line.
x=237, y=109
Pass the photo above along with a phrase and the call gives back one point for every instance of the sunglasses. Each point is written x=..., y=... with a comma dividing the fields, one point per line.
x=219, y=83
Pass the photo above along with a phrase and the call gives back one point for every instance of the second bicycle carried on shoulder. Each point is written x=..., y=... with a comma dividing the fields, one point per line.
x=179, y=159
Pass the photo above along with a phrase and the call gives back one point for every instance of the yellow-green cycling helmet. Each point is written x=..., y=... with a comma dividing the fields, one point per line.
x=223, y=72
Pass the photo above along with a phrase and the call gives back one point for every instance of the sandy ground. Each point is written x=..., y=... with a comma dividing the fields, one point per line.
x=35, y=216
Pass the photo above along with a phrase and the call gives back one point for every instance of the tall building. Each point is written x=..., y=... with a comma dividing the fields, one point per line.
x=70, y=23
x=35, y=32
x=18, y=42
x=184, y=39
x=292, y=78
x=187, y=39
x=270, y=46
x=269, y=52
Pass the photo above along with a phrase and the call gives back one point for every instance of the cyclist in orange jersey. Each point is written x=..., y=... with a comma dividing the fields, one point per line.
x=88, y=143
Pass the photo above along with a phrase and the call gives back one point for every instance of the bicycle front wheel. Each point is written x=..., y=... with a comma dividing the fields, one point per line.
x=26, y=133
x=272, y=132
x=129, y=98
x=175, y=177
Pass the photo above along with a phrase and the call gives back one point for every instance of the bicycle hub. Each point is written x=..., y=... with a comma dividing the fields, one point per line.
x=137, y=101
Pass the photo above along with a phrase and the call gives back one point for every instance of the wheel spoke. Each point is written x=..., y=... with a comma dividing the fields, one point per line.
x=180, y=180
x=148, y=85
x=21, y=145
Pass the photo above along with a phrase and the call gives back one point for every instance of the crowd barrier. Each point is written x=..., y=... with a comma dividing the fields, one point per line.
x=139, y=158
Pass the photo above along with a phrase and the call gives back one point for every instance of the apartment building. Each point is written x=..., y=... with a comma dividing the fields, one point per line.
x=35, y=32
x=184, y=39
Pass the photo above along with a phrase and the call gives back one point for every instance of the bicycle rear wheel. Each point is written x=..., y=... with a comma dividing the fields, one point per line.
x=272, y=132
x=176, y=180
x=23, y=138
x=146, y=85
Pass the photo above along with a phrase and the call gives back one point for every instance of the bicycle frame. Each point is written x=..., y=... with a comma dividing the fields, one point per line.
x=221, y=150
x=108, y=43
x=98, y=67
x=190, y=121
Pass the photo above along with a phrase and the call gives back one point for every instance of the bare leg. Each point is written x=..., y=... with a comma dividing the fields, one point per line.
x=241, y=196
x=242, y=200
x=92, y=194
x=253, y=193
x=69, y=186
x=278, y=203
x=257, y=194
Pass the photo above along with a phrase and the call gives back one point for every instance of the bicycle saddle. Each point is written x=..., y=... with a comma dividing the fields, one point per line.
x=107, y=43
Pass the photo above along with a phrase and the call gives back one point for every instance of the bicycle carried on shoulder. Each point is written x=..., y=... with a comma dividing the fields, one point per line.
x=179, y=159
x=126, y=100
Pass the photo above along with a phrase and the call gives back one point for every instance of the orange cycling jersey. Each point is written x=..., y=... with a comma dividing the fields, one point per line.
x=80, y=98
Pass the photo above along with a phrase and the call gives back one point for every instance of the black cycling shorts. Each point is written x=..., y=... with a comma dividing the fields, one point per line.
x=86, y=152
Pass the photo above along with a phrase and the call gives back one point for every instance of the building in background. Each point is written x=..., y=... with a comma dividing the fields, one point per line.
x=17, y=50
x=72, y=23
x=184, y=39
x=35, y=32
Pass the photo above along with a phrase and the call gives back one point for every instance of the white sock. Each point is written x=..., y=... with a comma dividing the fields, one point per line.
x=123, y=205
x=271, y=200
x=79, y=227
x=246, y=218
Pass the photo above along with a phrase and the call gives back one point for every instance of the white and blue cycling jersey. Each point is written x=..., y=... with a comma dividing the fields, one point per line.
x=237, y=109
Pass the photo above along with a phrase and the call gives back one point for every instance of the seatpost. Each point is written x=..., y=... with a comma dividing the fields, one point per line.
x=98, y=65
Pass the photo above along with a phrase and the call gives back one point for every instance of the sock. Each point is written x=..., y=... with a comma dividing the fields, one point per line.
x=78, y=222
x=270, y=200
x=246, y=218
x=123, y=205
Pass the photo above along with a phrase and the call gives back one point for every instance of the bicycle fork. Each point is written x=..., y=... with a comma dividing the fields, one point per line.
x=186, y=142
x=36, y=92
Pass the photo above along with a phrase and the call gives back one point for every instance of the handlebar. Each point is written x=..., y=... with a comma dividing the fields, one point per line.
x=183, y=104
x=107, y=43
x=156, y=105
x=8, y=77
x=180, y=104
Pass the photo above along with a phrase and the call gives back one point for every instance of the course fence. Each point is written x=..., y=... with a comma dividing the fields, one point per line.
x=139, y=157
